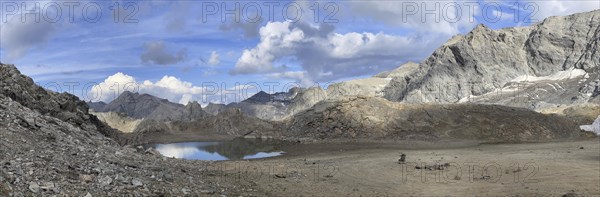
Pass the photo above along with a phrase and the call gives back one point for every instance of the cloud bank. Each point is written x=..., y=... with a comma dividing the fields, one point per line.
x=168, y=87
x=325, y=55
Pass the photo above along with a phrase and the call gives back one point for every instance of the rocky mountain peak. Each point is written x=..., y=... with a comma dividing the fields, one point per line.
x=484, y=60
x=260, y=97
x=480, y=28
x=193, y=104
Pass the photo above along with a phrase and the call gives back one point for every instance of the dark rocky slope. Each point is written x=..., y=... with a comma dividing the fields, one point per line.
x=51, y=146
x=64, y=106
x=380, y=119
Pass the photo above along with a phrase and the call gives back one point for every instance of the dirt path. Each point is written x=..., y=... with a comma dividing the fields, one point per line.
x=508, y=169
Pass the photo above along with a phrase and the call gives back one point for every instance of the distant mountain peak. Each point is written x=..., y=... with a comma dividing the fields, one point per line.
x=260, y=97
x=147, y=106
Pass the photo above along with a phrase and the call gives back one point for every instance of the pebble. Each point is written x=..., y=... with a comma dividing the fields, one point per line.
x=168, y=177
x=34, y=187
x=204, y=191
x=105, y=181
x=137, y=182
x=86, y=178
x=47, y=186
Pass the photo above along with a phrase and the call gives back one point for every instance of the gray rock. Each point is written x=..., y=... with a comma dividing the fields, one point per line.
x=206, y=191
x=105, y=181
x=121, y=178
x=168, y=177
x=86, y=178
x=214, y=108
x=34, y=187
x=137, y=182
x=47, y=186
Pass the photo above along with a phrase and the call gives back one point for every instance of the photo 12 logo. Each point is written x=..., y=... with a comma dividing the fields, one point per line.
x=470, y=172
x=255, y=12
x=69, y=11
x=453, y=12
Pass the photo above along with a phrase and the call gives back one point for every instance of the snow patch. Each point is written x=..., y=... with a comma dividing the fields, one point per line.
x=560, y=75
x=595, y=127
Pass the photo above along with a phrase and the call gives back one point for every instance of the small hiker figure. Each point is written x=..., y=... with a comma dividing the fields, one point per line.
x=402, y=159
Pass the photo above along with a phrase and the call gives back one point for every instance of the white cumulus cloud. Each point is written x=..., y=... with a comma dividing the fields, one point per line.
x=325, y=55
x=276, y=39
x=168, y=87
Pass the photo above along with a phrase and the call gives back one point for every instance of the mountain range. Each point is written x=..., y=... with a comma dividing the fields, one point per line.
x=539, y=83
x=548, y=67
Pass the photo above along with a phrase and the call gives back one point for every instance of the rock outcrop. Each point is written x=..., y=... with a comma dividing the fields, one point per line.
x=64, y=106
x=214, y=108
x=118, y=121
x=373, y=86
x=305, y=99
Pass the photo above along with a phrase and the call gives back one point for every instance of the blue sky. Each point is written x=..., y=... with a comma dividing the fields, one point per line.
x=182, y=50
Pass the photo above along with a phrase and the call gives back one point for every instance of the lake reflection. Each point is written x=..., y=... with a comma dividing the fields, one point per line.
x=216, y=151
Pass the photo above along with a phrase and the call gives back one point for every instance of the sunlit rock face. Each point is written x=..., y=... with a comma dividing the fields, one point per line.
x=485, y=60
x=547, y=66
